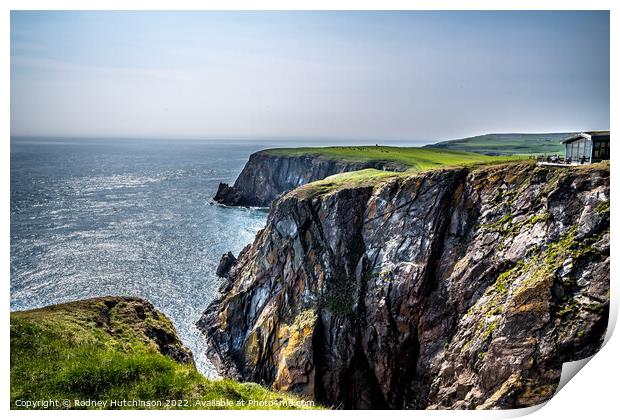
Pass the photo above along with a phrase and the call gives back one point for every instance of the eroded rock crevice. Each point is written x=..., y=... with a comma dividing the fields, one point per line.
x=455, y=288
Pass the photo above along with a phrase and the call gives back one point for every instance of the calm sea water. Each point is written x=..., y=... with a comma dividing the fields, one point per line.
x=126, y=217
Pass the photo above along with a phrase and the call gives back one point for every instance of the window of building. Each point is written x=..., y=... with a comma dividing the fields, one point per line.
x=600, y=150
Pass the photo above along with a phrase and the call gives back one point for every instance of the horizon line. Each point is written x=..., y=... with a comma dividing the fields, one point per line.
x=284, y=138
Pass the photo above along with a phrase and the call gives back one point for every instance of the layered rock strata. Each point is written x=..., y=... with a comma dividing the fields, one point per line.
x=267, y=175
x=456, y=288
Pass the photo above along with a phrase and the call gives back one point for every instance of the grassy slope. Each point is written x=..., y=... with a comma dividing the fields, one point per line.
x=417, y=158
x=81, y=351
x=507, y=144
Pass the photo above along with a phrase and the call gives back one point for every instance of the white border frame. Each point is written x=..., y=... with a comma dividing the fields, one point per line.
x=591, y=395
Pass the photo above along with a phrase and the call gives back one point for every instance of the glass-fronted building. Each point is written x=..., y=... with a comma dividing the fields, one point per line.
x=588, y=147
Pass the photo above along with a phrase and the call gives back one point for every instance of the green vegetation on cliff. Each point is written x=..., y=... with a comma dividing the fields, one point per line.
x=116, y=349
x=507, y=144
x=358, y=179
x=373, y=178
x=416, y=158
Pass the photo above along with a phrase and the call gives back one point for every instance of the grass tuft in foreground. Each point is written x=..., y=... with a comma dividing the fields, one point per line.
x=117, y=349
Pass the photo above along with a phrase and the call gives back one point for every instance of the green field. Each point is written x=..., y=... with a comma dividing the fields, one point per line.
x=413, y=158
x=410, y=160
x=81, y=350
x=507, y=144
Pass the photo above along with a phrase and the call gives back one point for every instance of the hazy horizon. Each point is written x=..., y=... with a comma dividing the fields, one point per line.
x=274, y=138
x=367, y=76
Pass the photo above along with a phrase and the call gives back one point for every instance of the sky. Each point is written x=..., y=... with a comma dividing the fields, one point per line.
x=368, y=75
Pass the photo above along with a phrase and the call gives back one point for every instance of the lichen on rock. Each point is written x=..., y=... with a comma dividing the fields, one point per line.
x=453, y=288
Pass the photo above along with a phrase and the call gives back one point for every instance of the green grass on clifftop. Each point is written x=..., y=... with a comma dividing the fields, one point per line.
x=415, y=158
x=361, y=178
x=115, y=349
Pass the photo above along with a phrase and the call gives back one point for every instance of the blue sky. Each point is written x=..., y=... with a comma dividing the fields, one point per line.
x=368, y=75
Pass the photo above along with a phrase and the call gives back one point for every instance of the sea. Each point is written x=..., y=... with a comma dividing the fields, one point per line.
x=129, y=217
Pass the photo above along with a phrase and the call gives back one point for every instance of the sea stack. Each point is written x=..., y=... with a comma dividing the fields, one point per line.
x=226, y=263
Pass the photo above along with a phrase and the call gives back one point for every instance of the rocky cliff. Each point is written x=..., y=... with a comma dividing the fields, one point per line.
x=456, y=288
x=267, y=175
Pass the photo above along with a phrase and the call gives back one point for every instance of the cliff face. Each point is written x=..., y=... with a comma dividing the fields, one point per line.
x=455, y=288
x=266, y=176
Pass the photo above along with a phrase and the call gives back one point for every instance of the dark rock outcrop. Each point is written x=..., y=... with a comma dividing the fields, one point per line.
x=457, y=288
x=123, y=318
x=227, y=195
x=267, y=175
x=226, y=263
x=147, y=322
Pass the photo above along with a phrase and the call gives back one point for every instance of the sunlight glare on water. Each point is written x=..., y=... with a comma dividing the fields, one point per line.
x=96, y=217
x=112, y=217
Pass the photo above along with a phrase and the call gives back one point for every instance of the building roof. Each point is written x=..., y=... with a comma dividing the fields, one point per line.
x=590, y=135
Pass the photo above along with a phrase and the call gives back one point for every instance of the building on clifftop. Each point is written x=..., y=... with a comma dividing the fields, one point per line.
x=587, y=147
